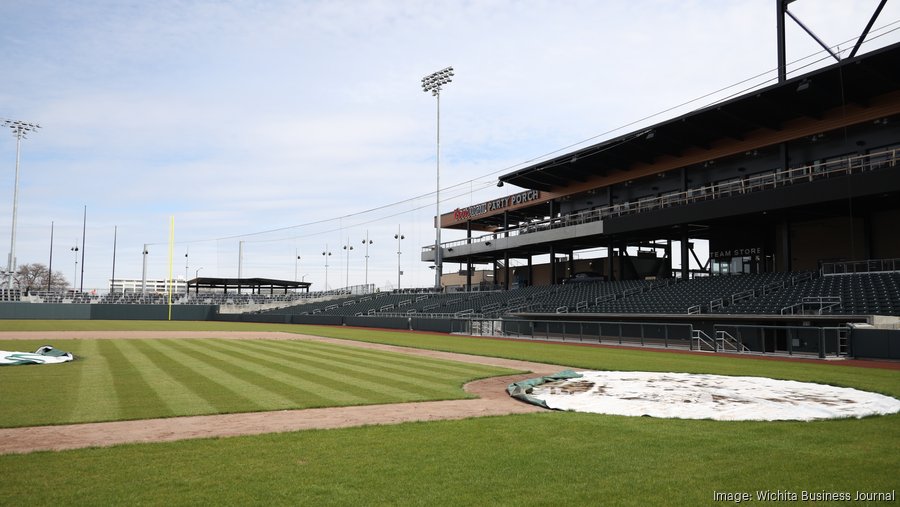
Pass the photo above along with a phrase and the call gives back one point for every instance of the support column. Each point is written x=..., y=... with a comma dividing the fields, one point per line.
x=468, y=274
x=506, y=270
x=685, y=254
x=868, y=246
x=571, y=263
x=552, y=265
x=786, y=244
x=781, y=5
x=610, y=257
x=530, y=271
x=668, y=258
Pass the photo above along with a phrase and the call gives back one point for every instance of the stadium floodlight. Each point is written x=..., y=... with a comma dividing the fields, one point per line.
x=367, y=242
x=434, y=83
x=75, y=250
x=326, y=254
x=20, y=129
x=398, y=237
x=347, y=248
x=144, y=252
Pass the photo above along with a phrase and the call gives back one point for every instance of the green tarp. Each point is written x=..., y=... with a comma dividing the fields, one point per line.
x=521, y=390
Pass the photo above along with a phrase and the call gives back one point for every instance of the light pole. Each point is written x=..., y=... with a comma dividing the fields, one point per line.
x=144, y=270
x=434, y=83
x=74, y=249
x=296, y=264
x=326, y=254
x=367, y=242
x=186, y=289
x=348, y=248
x=240, y=260
x=398, y=237
x=20, y=129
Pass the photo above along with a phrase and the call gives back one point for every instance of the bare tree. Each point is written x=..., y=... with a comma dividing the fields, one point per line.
x=36, y=276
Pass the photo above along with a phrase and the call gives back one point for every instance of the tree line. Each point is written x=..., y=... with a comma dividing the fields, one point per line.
x=34, y=277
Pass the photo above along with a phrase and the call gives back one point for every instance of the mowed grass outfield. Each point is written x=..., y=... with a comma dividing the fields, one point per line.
x=142, y=379
x=549, y=458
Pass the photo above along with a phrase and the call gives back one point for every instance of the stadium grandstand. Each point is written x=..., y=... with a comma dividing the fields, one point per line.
x=794, y=187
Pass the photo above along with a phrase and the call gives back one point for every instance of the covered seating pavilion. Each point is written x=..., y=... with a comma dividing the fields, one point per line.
x=251, y=285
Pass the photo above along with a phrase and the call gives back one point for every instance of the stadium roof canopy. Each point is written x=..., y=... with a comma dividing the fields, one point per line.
x=256, y=285
x=853, y=81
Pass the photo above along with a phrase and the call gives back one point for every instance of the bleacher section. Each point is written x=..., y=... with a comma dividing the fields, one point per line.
x=767, y=294
x=807, y=293
x=700, y=295
x=850, y=294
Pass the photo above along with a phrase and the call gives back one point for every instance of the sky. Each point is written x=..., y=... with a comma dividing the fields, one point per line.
x=271, y=130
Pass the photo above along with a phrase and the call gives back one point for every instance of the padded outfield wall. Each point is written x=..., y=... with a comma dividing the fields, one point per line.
x=71, y=311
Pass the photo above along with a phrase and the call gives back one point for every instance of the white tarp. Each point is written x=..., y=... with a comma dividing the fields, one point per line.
x=700, y=396
x=43, y=355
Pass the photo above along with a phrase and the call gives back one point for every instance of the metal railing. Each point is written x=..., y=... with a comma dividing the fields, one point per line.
x=701, y=341
x=814, y=305
x=727, y=343
x=854, y=267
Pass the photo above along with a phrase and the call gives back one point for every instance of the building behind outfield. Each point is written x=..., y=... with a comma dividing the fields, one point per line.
x=791, y=177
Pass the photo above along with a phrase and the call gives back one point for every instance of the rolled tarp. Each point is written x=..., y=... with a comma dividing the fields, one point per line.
x=521, y=390
x=46, y=354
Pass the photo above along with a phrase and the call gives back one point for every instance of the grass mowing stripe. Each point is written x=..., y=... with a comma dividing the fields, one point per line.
x=265, y=384
x=451, y=367
x=328, y=390
x=96, y=398
x=178, y=394
x=373, y=385
x=212, y=384
x=248, y=396
x=402, y=386
x=386, y=363
x=137, y=398
x=438, y=367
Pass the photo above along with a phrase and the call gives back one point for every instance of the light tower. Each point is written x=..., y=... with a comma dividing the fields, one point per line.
x=367, y=242
x=398, y=237
x=20, y=129
x=434, y=83
x=326, y=254
x=347, y=248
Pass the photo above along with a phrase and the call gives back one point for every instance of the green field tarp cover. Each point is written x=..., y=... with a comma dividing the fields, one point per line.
x=521, y=390
x=43, y=355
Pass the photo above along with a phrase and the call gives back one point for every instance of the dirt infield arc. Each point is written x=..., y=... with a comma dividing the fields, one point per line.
x=492, y=400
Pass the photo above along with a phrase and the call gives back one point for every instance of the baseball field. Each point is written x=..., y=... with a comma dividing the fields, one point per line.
x=393, y=426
